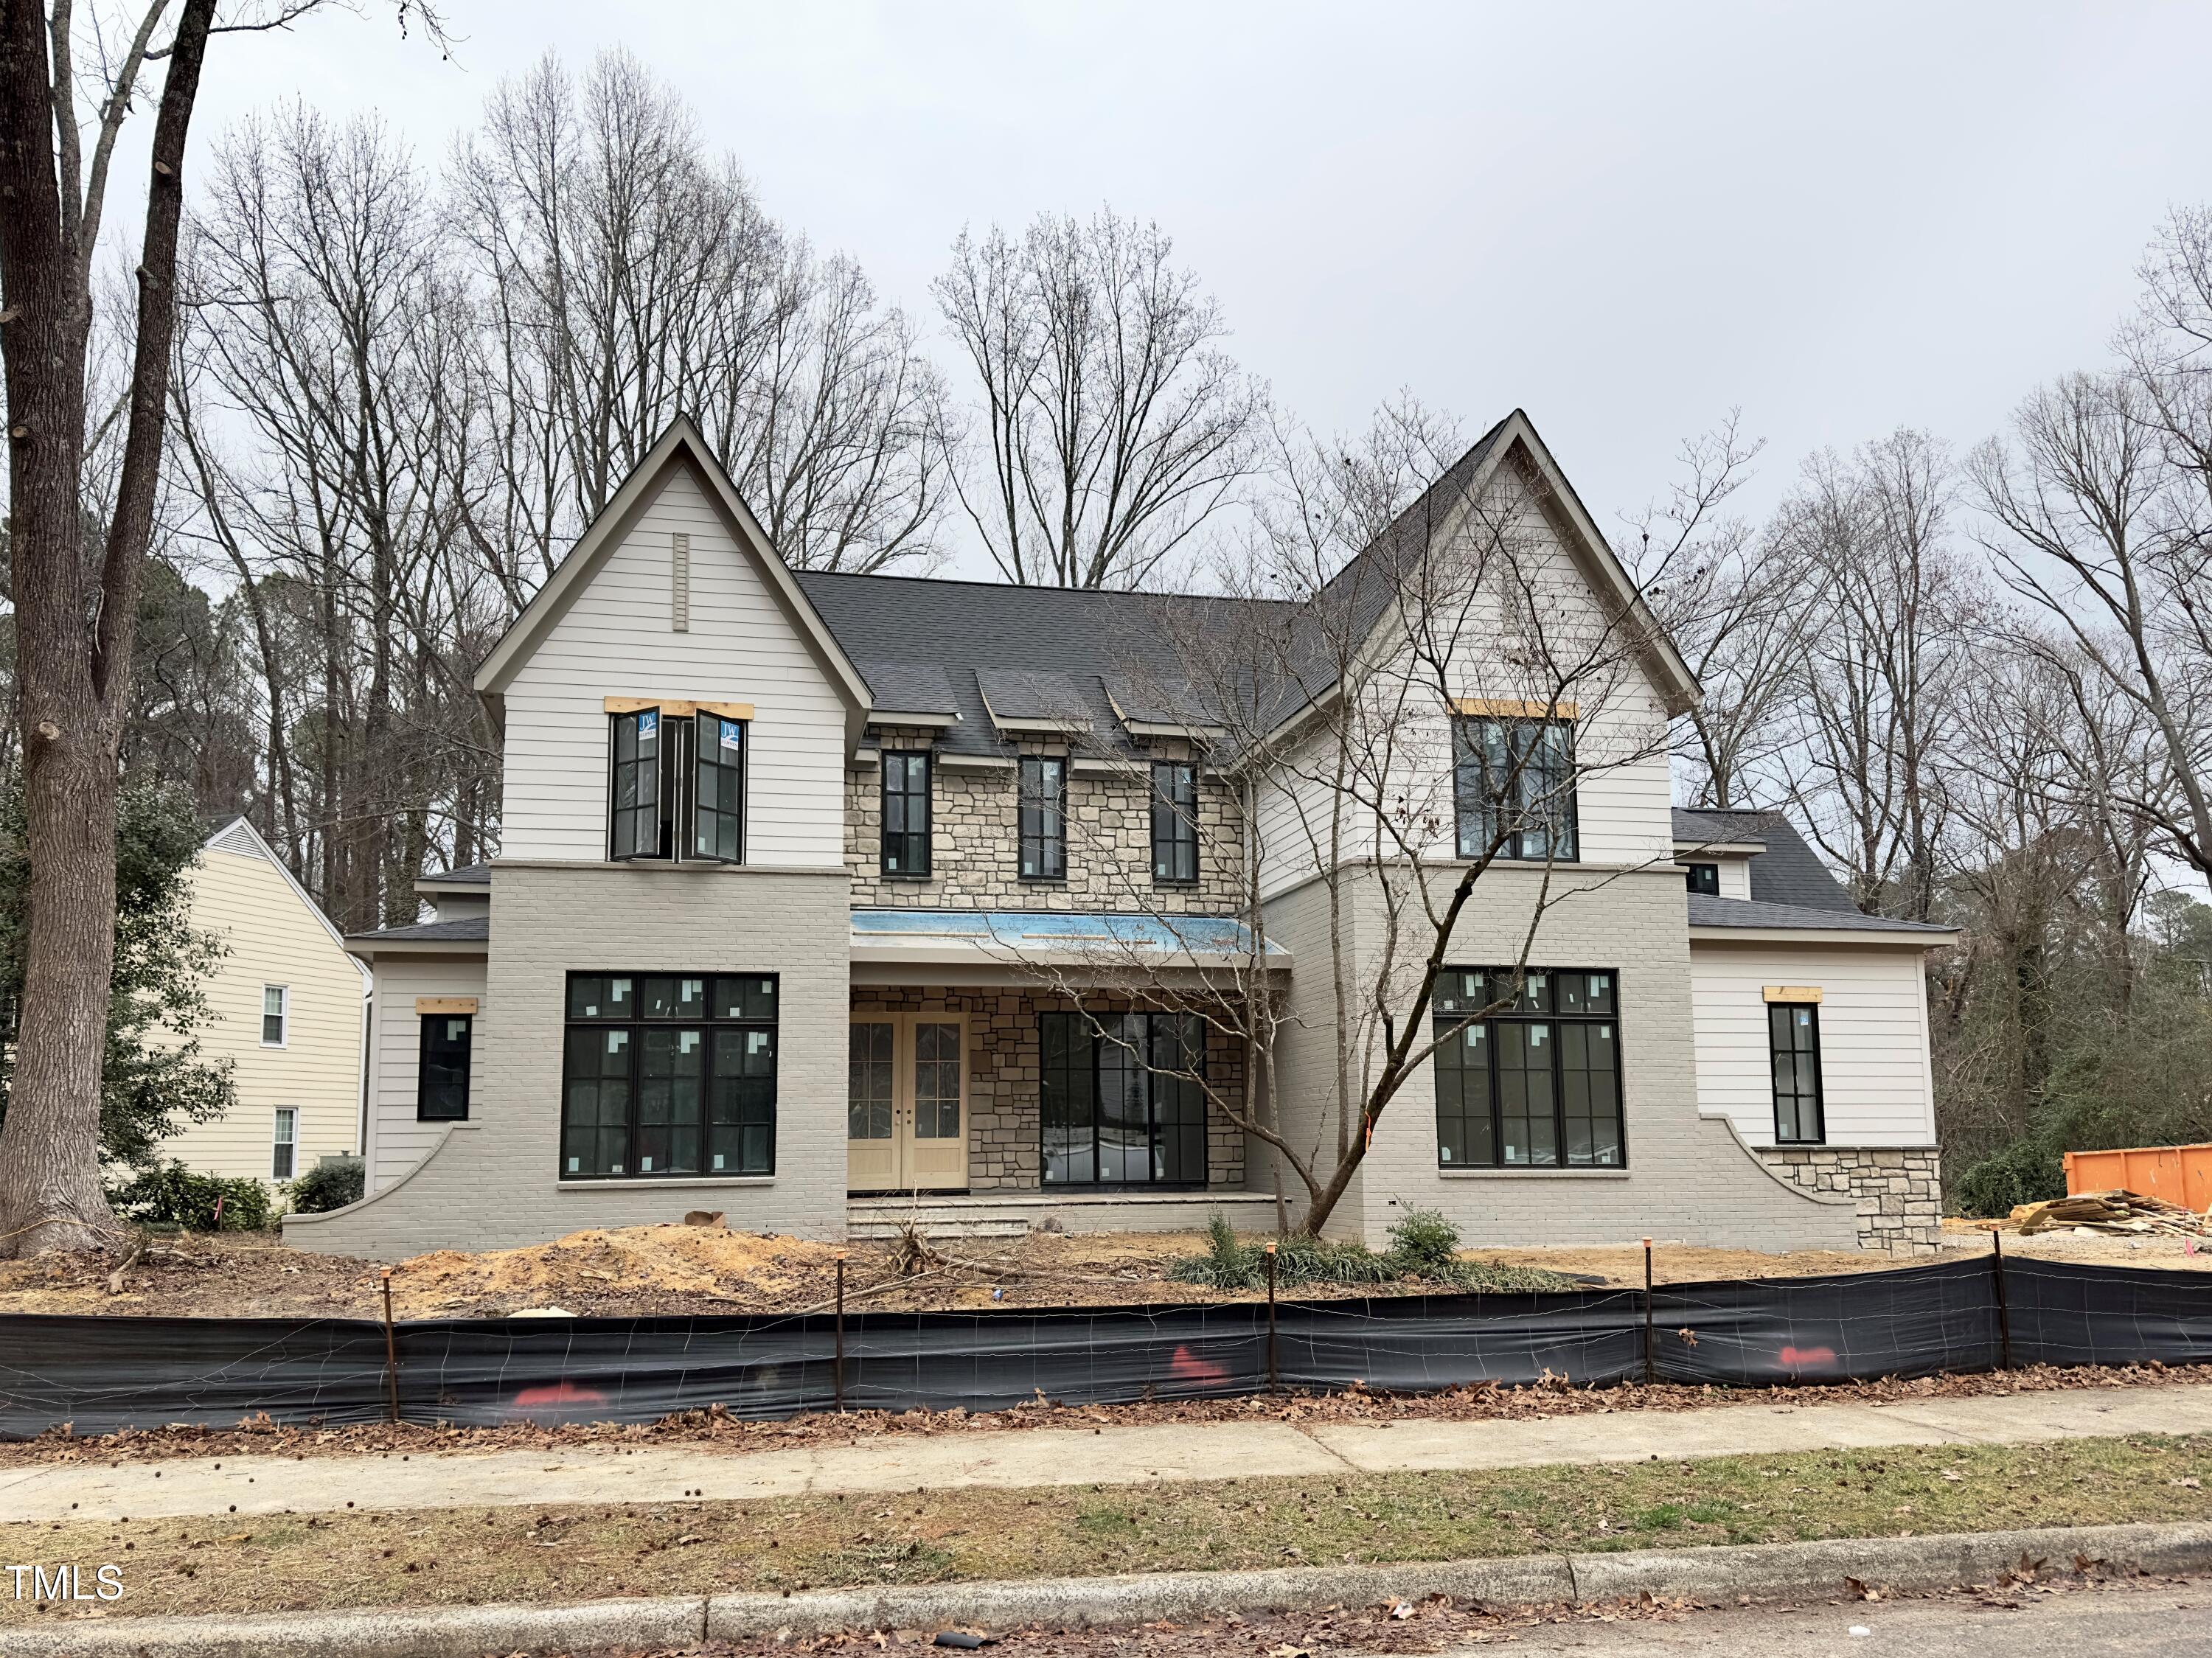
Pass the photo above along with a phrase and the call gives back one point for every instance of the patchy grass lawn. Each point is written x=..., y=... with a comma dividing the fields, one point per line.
x=446, y=1556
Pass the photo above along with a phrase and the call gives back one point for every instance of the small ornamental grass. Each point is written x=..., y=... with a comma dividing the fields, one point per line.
x=1424, y=1245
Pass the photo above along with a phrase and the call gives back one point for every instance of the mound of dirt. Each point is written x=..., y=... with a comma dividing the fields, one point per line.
x=646, y=1265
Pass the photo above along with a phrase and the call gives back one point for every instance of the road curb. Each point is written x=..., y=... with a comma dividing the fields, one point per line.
x=1764, y=1571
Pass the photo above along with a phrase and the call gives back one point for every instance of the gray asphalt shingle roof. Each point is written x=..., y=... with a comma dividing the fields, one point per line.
x=1788, y=872
x=1750, y=912
x=468, y=874
x=475, y=930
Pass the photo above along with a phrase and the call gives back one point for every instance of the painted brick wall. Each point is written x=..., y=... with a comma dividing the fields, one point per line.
x=975, y=846
x=1688, y=1176
x=493, y=1183
x=1005, y=1135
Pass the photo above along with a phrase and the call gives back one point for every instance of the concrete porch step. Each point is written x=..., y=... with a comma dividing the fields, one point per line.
x=1010, y=1213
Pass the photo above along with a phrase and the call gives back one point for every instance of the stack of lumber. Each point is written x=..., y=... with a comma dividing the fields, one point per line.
x=2121, y=1213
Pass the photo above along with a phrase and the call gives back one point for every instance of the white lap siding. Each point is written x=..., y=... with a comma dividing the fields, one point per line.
x=397, y=1141
x=1874, y=1038
x=617, y=639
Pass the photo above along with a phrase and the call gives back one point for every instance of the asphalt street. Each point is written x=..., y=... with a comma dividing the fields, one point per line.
x=2157, y=1620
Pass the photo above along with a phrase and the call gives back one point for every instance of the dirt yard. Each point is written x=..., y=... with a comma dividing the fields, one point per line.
x=678, y=1270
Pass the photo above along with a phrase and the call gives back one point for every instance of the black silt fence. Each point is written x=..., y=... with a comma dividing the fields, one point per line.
x=100, y=1375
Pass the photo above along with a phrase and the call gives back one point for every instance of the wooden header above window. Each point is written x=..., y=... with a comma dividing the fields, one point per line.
x=444, y=1003
x=676, y=708
x=1512, y=707
x=1793, y=992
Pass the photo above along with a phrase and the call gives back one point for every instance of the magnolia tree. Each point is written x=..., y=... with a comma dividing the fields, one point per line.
x=1408, y=683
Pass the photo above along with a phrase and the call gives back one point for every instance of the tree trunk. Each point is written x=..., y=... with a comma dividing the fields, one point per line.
x=73, y=646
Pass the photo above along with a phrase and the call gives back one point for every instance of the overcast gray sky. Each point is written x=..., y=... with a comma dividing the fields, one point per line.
x=1623, y=218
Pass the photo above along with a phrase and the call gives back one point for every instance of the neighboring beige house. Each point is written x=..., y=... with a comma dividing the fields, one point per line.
x=288, y=1003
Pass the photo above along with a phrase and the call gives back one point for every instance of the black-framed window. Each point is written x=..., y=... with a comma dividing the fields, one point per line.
x=906, y=813
x=1704, y=879
x=441, y=1067
x=675, y=786
x=637, y=819
x=1044, y=817
x=1121, y=1098
x=668, y=1074
x=718, y=789
x=1528, y=1069
x=1175, y=822
x=1516, y=778
x=1793, y=1041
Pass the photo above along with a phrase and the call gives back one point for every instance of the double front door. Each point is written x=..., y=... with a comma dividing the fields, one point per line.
x=906, y=1105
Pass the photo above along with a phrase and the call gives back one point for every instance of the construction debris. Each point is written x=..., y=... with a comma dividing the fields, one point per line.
x=2120, y=1213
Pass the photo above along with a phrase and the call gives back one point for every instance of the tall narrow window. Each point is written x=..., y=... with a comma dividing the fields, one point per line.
x=1043, y=811
x=1793, y=1037
x=718, y=790
x=906, y=813
x=284, y=1154
x=637, y=785
x=1175, y=822
x=441, y=1075
x=1514, y=783
x=1528, y=1070
x=276, y=1015
x=669, y=1074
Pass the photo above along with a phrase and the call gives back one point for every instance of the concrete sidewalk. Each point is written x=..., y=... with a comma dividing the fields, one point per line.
x=1019, y=1457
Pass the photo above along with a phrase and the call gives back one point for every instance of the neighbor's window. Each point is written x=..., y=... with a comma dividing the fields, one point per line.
x=441, y=1068
x=1793, y=1040
x=906, y=813
x=1122, y=1098
x=284, y=1154
x=1175, y=822
x=1515, y=778
x=276, y=1015
x=1705, y=878
x=1528, y=1070
x=668, y=1073
x=678, y=787
x=1043, y=811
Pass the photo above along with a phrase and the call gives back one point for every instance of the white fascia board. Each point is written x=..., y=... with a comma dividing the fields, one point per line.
x=1791, y=935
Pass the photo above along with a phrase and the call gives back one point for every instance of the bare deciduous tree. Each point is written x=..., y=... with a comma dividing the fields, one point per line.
x=1112, y=425
x=77, y=608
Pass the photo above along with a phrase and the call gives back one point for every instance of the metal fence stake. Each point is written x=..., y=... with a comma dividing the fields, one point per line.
x=1650, y=1370
x=838, y=1372
x=390, y=1350
x=2004, y=1316
x=1274, y=1376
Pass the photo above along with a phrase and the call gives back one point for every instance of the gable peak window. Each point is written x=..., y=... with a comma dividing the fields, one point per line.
x=906, y=813
x=1705, y=879
x=1043, y=815
x=1513, y=783
x=1175, y=822
x=677, y=786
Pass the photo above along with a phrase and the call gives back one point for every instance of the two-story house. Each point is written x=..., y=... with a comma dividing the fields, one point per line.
x=798, y=910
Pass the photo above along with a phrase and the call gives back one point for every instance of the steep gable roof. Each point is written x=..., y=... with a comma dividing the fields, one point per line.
x=681, y=446
x=237, y=835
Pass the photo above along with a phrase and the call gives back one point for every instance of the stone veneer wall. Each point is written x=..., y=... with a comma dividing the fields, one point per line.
x=976, y=845
x=1004, y=1132
x=1899, y=1188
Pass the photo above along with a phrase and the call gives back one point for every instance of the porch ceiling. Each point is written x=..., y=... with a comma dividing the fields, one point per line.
x=999, y=945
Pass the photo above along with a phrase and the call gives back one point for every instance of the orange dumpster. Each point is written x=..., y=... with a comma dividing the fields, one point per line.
x=2178, y=1174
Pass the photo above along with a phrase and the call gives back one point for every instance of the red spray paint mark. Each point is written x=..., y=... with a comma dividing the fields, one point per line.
x=561, y=1393
x=1809, y=1359
x=1187, y=1366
